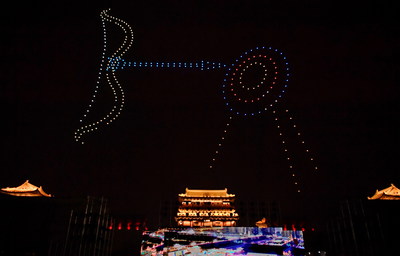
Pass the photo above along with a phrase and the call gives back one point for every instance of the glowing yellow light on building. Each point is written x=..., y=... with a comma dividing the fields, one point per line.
x=206, y=208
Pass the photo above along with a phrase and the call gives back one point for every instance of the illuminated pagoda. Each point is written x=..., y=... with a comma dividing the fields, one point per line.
x=390, y=193
x=25, y=190
x=206, y=208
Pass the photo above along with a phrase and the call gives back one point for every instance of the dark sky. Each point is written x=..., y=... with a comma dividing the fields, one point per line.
x=343, y=94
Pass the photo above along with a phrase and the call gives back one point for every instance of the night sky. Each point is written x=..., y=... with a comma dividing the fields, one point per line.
x=343, y=94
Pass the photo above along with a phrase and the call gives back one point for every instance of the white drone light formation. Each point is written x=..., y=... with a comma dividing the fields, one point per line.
x=253, y=84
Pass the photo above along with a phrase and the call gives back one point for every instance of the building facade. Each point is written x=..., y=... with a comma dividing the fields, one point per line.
x=206, y=208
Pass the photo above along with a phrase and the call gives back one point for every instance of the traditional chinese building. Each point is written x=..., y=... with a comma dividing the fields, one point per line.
x=28, y=221
x=206, y=208
x=25, y=190
x=390, y=193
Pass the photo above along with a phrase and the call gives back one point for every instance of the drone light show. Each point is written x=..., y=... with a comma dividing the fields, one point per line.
x=254, y=84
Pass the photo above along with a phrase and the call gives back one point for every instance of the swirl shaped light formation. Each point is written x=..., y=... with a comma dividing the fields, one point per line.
x=253, y=84
x=252, y=95
x=246, y=95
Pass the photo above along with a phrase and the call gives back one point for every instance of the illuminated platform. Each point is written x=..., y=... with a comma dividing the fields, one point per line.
x=223, y=241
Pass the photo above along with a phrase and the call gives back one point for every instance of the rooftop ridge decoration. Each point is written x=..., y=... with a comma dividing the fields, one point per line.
x=245, y=93
x=389, y=193
x=26, y=190
x=206, y=193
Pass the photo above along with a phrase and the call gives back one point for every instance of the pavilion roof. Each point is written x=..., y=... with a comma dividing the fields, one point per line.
x=390, y=193
x=26, y=189
x=206, y=193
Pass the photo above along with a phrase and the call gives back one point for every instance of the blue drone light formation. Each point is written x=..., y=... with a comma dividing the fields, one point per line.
x=253, y=84
x=118, y=63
